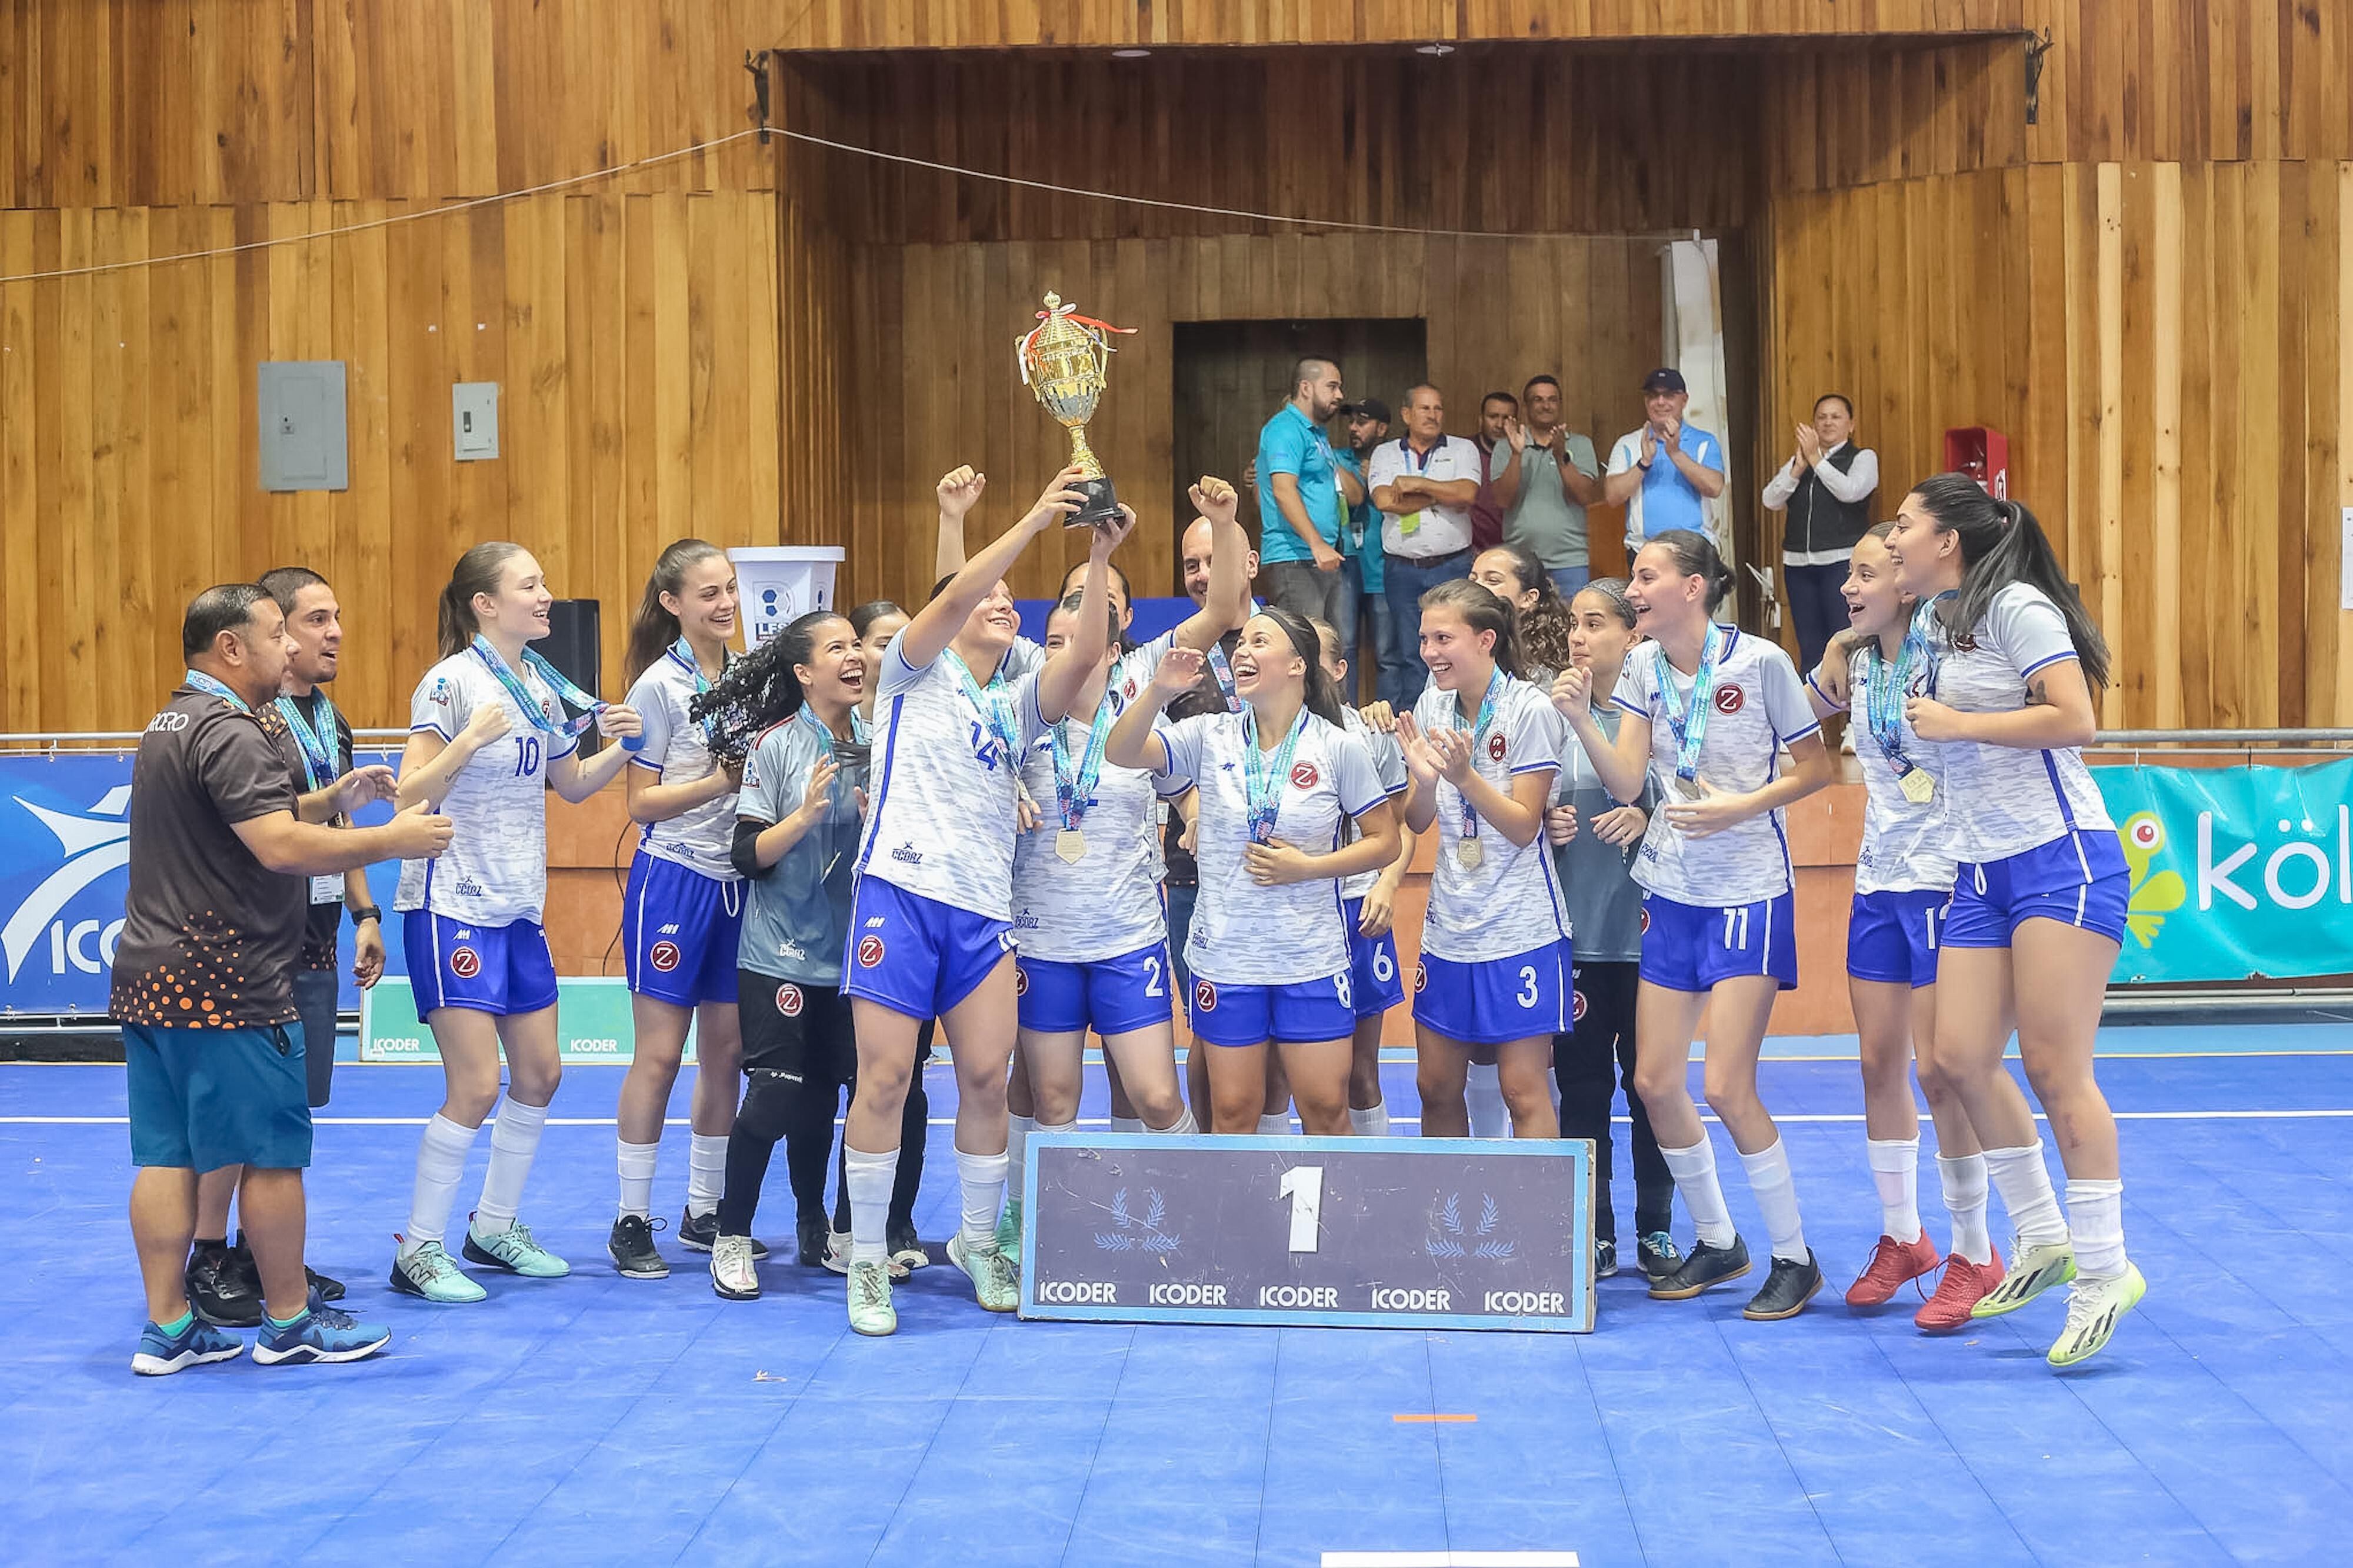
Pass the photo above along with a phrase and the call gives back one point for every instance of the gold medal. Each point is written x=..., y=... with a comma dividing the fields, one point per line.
x=1687, y=789
x=1918, y=787
x=1071, y=846
x=1468, y=853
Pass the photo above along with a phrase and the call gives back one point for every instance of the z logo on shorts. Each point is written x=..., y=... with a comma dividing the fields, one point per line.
x=869, y=951
x=789, y=1001
x=1304, y=776
x=1420, y=976
x=1729, y=698
x=1020, y=981
x=1576, y=1007
x=664, y=956
x=1646, y=920
x=465, y=962
x=1205, y=996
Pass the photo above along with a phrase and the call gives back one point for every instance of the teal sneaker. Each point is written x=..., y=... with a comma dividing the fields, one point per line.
x=431, y=1273
x=160, y=1354
x=1008, y=1231
x=514, y=1250
x=995, y=1282
x=870, y=1311
x=320, y=1334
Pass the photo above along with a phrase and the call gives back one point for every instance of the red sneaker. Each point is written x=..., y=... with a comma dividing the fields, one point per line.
x=1964, y=1284
x=1891, y=1263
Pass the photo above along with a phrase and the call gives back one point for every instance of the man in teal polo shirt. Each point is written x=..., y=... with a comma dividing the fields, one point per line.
x=1302, y=497
x=1665, y=473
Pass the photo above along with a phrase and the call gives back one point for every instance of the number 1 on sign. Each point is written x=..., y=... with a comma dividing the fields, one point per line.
x=1303, y=1185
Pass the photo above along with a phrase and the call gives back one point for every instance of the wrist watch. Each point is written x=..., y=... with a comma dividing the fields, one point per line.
x=366, y=912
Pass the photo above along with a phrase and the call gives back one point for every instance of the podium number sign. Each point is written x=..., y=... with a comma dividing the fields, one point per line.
x=1347, y=1232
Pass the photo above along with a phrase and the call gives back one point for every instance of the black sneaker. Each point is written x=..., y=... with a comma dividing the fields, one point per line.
x=328, y=1289
x=1703, y=1266
x=697, y=1232
x=1787, y=1290
x=1605, y=1258
x=1660, y=1255
x=632, y=1246
x=223, y=1286
x=906, y=1249
x=811, y=1235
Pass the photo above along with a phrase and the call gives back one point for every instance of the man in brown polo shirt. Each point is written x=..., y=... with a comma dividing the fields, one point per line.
x=204, y=978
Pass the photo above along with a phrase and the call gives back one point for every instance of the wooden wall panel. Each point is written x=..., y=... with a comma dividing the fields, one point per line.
x=634, y=338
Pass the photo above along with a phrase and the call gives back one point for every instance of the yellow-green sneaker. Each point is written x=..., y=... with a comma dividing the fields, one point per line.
x=2033, y=1270
x=2093, y=1307
x=995, y=1283
x=1009, y=1230
x=870, y=1311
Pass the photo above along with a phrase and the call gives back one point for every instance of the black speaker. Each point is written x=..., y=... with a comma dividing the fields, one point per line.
x=574, y=645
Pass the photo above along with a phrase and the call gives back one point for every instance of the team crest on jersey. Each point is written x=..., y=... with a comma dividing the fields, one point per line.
x=789, y=1001
x=1495, y=746
x=664, y=956
x=1577, y=1006
x=1205, y=996
x=1304, y=776
x=1730, y=698
x=465, y=962
x=870, y=951
x=1420, y=976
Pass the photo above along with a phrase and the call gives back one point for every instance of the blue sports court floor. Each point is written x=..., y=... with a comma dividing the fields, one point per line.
x=595, y=1419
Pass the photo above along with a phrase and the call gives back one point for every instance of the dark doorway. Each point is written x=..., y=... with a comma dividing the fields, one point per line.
x=1232, y=375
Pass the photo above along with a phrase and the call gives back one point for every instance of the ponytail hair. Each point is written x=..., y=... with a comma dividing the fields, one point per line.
x=1482, y=611
x=655, y=629
x=1695, y=555
x=1323, y=698
x=2000, y=544
x=478, y=572
x=760, y=690
x=1540, y=631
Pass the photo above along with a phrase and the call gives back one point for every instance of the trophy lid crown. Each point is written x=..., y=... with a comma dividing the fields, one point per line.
x=1053, y=301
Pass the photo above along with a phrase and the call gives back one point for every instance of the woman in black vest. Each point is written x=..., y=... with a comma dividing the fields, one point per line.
x=1825, y=493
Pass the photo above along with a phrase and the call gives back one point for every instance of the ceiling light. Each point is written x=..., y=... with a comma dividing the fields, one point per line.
x=1433, y=48
x=1129, y=54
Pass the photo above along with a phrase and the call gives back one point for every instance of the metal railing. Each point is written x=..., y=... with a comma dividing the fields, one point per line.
x=120, y=742
x=2251, y=744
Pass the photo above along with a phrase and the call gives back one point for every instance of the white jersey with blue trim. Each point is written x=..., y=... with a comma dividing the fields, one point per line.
x=1388, y=761
x=942, y=818
x=1758, y=707
x=1244, y=934
x=495, y=870
x=1107, y=903
x=678, y=751
x=1510, y=902
x=2006, y=800
x=1906, y=848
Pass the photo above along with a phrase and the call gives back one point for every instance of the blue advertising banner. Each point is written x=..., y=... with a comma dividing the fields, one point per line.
x=65, y=851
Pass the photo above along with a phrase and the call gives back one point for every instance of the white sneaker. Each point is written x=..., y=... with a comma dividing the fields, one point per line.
x=870, y=1311
x=837, y=1256
x=733, y=1272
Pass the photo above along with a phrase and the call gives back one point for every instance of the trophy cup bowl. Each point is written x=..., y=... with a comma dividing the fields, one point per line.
x=1064, y=362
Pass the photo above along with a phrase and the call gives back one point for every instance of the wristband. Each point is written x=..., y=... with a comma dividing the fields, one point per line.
x=633, y=743
x=366, y=913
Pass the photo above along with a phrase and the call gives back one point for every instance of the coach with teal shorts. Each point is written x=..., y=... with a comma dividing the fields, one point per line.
x=221, y=846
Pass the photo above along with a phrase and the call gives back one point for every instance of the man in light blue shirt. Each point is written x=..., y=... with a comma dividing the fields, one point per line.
x=1304, y=495
x=1665, y=473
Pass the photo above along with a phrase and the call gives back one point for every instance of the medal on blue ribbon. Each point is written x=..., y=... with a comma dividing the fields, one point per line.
x=1225, y=677
x=1264, y=781
x=207, y=684
x=1468, y=851
x=537, y=716
x=683, y=651
x=1690, y=728
x=1074, y=787
x=1886, y=686
x=315, y=733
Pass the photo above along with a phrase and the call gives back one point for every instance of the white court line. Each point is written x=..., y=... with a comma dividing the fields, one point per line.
x=2291, y=1115
x=1449, y=1560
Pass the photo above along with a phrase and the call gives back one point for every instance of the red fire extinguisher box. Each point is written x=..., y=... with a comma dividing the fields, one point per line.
x=1983, y=454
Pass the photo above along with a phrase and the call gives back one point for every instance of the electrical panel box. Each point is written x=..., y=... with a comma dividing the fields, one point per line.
x=474, y=419
x=303, y=441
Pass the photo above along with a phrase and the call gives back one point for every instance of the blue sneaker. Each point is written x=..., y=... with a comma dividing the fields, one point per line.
x=514, y=1250
x=321, y=1333
x=160, y=1354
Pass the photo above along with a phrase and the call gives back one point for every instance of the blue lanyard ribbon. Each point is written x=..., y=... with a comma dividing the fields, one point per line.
x=858, y=728
x=1886, y=683
x=531, y=711
x=205, y=683
x=1074, y=790
x=1224, y=674
x=1478, y=738
x=1265, y=780
x=683, y=651
x=315, y=733
x=1690, y=728
x=994, y=706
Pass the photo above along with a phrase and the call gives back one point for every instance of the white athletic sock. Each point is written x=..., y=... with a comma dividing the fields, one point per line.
x=1274, y=1125
x=1964, y=1181
x=1694, y=1172
x=1895, y=1171
x=982, y=1177
x=706, y=1172
x=2095, y=1214
x=1776, y=1192
x=2020, y=1176
x=1372, y=1122
x=869, y=1178
x=1017, y=1139
x=1125, y=1124
x=440, y=1164
x=637, y=1162
x=1183, y=1125
x=1483, y=1093
x=514, y=1142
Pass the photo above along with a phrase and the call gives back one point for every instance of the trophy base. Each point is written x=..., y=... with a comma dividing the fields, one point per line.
x=1101, y=508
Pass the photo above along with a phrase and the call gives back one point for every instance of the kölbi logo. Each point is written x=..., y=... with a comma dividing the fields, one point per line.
x=2295, y=875
x=94, y=843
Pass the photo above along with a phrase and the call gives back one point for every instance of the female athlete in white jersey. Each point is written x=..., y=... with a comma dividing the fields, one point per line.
x=1710, y=708
x=932, y=927
x=2038, y=910
x=488, y=737
x=1268, y=946
x=684, y=903
x=1482, y=747
x=1903, y=884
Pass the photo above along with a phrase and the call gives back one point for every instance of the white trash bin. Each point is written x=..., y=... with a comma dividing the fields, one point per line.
x=778, y=583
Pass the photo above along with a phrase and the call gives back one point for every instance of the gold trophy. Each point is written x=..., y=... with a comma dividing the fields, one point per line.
x=1063, y=360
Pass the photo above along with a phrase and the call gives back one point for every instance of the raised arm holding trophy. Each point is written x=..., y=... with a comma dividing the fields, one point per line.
x=1064, y=362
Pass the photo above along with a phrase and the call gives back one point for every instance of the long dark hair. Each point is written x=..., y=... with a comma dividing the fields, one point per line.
x=1695, y=555
x=864, y=615
x=1323, y=699
x=1483, y=610
x=478, y=572
x=1542, y=629
x=2000, y=544
x=654, y=630
x=762, y=689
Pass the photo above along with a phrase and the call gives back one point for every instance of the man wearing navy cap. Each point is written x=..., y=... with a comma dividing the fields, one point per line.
x=1666, y=472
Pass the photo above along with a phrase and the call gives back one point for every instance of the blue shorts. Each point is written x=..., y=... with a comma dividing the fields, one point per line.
x=1307, y=1012
x=916, y=956
x=1496, y=1000
x=504, y=970
x=1892, y=937
x=1690, y=947
x=2077, y=880
x=678, y=932
x=202, y=1098
x=1111, y=996
x=1373, y=978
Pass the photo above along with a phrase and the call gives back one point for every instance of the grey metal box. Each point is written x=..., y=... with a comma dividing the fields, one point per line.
x=304, y=444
